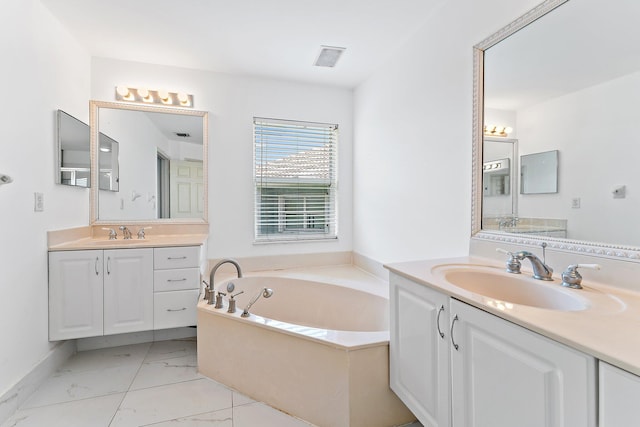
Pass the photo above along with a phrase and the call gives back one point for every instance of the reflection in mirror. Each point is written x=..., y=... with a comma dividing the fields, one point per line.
x=73, y=155
x=499, y=179
x=539, y=173
x=562, y=85
x=152, y=160
x=108, y=174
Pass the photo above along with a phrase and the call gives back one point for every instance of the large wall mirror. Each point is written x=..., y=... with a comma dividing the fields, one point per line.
x=151, y=163
x=566, y=78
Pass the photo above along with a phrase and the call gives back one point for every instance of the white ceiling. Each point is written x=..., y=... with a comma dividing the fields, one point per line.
x=273, y=38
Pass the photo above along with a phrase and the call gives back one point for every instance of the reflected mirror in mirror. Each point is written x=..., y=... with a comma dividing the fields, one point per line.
x=539, y=173
x=499, y=178
x=153, y=161
x=569, y=81
x=73, y=151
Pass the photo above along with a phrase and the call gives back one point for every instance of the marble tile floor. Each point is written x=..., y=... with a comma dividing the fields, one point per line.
x=152, y=384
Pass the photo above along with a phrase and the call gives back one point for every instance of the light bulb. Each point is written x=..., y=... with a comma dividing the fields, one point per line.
x=164, y=96
x=183, y=98
x=145, y=95
x=123, y=91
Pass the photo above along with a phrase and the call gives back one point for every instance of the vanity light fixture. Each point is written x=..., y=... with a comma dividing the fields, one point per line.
x=494, y=130
x=148, y=96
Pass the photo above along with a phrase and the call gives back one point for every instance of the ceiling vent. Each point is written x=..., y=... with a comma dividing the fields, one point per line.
x=328, y=56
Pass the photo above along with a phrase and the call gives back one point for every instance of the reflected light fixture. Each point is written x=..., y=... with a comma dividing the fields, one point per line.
x=497, y=130
x=159, y=97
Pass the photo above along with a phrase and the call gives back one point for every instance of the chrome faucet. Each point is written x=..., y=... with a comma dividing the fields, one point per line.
x=125, y=232
x=211, y=291
x=541, y=271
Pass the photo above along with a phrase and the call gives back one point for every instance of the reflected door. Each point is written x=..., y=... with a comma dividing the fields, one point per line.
x=187, y=189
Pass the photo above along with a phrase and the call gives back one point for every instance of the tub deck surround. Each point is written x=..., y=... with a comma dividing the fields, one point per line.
x=329, y=377
x=157, y=235
x=605, y=329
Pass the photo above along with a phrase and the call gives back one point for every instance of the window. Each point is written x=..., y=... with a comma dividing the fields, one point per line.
x=295, y=180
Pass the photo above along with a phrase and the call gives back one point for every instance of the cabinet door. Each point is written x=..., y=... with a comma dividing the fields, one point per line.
x=128, y=290
x=505, y=375
x=419, y=354
x=619, y=397
x=75, y=294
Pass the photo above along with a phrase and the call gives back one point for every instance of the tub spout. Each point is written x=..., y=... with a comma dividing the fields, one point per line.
x=265, y=292
x=211, y=293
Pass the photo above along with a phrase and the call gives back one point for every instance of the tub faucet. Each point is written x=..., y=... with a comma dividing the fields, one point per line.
x=265, y=292
x=212, y=293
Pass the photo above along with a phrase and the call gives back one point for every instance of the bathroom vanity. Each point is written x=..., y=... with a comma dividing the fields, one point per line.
x=461, y=358
x=103, y=287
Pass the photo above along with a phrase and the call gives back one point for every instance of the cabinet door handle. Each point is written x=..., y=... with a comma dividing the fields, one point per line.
x=440, y=310
x=109, y=265
x=181, y=309
x=177, y=280
x=96, y=266
x=177, y=257
x=453, y=322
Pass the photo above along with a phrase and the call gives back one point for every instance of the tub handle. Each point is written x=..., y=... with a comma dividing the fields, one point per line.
x=453, y=322
x=440, y=310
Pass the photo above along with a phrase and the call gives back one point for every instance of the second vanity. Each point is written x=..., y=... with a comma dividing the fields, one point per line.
x=557, y=357
x=103, y=287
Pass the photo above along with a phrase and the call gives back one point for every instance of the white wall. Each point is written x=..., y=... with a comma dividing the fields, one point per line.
x=232, y=102
x=412, y=144
x=43, y=69
x=599, y=151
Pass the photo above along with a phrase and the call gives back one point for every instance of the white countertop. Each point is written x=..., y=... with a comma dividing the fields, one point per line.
x=607, y=329
x=151, y=241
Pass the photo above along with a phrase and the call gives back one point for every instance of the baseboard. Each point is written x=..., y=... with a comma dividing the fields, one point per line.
x=118, y=340
x=20, y=392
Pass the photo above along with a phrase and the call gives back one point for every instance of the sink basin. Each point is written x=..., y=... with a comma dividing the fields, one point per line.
x=503, y=289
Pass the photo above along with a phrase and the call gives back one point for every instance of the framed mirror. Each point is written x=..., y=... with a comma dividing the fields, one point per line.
x=73, y=158
x=539, y=173
x=151, y=163
x=563, y=86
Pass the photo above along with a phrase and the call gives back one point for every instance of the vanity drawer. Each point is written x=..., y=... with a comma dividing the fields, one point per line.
x=174, y=309
x=176, y=257
x=177, y=279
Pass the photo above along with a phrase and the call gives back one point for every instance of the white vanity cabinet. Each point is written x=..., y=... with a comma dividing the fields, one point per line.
x=504, y=375
x=75, y=294
x=619, y=397
x=113, y=291
x=128, y=290
x=419, y=350
x=455, y=365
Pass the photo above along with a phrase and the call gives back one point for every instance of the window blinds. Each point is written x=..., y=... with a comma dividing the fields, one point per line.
x=295, y=180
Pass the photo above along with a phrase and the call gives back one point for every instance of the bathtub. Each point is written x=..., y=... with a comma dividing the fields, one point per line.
x=317, y=349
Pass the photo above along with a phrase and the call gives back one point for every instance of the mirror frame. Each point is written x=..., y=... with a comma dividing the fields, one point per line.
x=581, y=247
x=94, y=125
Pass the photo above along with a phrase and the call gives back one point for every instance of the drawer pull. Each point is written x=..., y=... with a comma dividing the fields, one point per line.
x=181, y=309
x=184, y=279
x=176, y=257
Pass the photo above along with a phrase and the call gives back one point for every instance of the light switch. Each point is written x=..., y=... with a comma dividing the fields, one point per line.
x=38, y=202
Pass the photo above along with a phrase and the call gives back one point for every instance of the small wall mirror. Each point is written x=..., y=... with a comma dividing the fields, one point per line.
x=539, y=173
x=73, y=162
x=153, y=161
x=499, y=178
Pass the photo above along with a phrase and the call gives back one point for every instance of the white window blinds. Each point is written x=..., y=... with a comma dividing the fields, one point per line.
x=295, y=180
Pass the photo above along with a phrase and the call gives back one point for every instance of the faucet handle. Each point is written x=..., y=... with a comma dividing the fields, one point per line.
x=112, y=233
x=513, y=263
x=572, y=279
x=141, y=232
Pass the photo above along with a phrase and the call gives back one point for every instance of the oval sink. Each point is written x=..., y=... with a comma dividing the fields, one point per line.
x=519, y=289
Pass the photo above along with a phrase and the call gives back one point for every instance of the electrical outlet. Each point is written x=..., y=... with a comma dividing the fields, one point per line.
x=38, y=202
x=575, y=203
